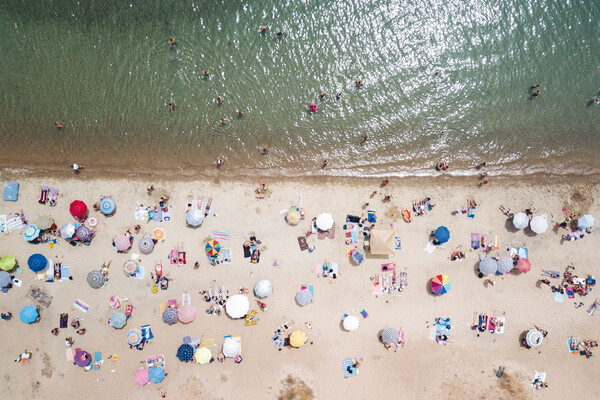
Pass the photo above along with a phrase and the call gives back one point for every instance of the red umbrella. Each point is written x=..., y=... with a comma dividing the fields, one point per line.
x=523, y=265
x=78, y=208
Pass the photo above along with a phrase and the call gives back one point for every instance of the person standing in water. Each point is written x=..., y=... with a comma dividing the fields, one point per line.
x=171, y=106
x=172, y=42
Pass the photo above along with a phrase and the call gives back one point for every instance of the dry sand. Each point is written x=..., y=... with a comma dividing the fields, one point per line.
x=462, y=369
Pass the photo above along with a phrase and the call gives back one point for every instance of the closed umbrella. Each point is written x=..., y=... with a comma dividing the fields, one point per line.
x=539, y=224
x=358, y=256
x=324, y=221
x=303, y=297
x=186, y=314
x=95, y=279
x=141, y=376
x=587, y=221
x=534, y=338
x=237, y=306
x=37, y=262
x=130, y=267
x=520, y=220
x=390, y=335
x=524, y=265
x=232, y=348
x=83, y=233
x=194, y=217
x=203, y=355
x=118, y=320
x=213, y=248
x=488, y=266
x=44, y=222
x=78, y=209
x=156, y=374
x=31, y=233
x=5, y=279
x=169, y=316
x=122, y=243
x=298, y=338
x=293, y=217
x=505, y=265
x=7, y=263
x=82, y=358
x=134, y=337
x=185, y=352
x=442, y=234
x=263, y=288
x=351, y=323
x=440, y=284
x=29, y=314
x=107, y=206
x=146, y=245
x=67, y=231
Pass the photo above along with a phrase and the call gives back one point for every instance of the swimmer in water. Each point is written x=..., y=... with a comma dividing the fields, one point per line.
x=338, y=96
x=240, y=113
x=537, y=85
x=58, y=125
x=323, y=94
x=365, y=138
x=325, y=163
x=536, y=93
x=223, y=121
x=263, y=29
x=281, y=33
x=359, y=83
x=206, y=72
x=219, y=100
x=171, y=106
x=172, y=41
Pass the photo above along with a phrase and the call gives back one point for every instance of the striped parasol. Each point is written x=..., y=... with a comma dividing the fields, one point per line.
x=158, y=233
x=78, y=209
x=107, y=206
x=95, y=279
x=146, y=245
x=122, y=243
x=185, y=352
x=134, y=337
x=213, y=248
x=304, y=297
x=390, y=335
x=118, y=320
x=534, y=338
x=115, y=301
x=170, y=315
x=32, y=232
x=505, y=265
x=44, y=222
x=83, y=233
x=130, y=267
x=488, y=266
x=440, y=284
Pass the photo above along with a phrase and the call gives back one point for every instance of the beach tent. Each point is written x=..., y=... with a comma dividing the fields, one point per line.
x=382, y=242
x=488, y=266
x=232, y=347
x=78, y=209
x=186, y=314
x=539, y=224
x=298, y=338
x=351, y=323
x=31, y=233
x=170, y=315
x=156, y=374
x=29, y=314
x=7, y=263
x=390, y=335
x=303, y=297
x=67, y=231
x=185, y=352
x=5, y=279
x=587, y=221
x=442, y=234
x=37, y=262
x=83, y=233
x=520, y=220
x=263, y=288
x=194, y=217
x=440, y=284
x=44, y=222
x=324, y=222
x=534, y=338
x=107, y=206
x=505, y=265
x=203, y=355
x=237, y=306
x=524, y=265
x=141, y=376
x=95, y=279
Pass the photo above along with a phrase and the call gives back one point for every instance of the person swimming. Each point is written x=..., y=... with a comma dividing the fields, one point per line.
x=171, y=106
x=58, y=125
x=172, y=41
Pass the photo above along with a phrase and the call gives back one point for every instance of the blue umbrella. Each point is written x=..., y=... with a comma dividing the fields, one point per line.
x=488, y=266
x=170, y=315
x=185, y=352
x=28, y=314
x=442, y=234
x=4, y=279
x=31, y=233
x=146, y=245
x=585, y=222
x=118, y=320
x=37, y=262
x=156, y=374
x=107, y=206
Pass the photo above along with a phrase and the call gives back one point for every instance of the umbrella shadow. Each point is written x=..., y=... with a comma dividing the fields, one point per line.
x=476, y=270
x=509, y=226
x=528, y=232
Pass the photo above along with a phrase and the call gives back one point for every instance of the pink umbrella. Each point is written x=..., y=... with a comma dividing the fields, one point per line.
x=187, y=314
x=523, y=265
x=122, y=243
x=141, y=376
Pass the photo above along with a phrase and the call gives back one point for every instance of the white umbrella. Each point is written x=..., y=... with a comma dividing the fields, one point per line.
x=534, y=338
x=539, y=224
x=232, y=348
x=324, y=221
x=262, y=288
x=67, y=230
x=194, y=217
x=520, y=220
x=351, y=323
x=237, y=306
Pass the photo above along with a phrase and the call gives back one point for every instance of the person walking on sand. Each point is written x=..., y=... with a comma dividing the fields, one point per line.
x=265, y=150
x=325, y=163
x=77, y=168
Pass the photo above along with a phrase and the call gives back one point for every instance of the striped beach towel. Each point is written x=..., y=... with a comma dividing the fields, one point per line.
x=220, y=235
x=80, y=305
x=14, y=223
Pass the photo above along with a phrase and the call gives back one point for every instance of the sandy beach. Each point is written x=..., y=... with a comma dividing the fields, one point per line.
x=464, y=368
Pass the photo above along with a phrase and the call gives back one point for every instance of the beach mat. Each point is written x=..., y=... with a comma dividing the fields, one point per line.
x=349, y=368
x=301, y=242
x=474, y=241
x=430, y=248
x=220, y=236
x=97, y=360
x=81, y=306
x=377, y=286
x=397, y=243
x=471, y=213
x=63, y=320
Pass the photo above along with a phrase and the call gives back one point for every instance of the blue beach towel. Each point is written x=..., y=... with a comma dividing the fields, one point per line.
x=11, y=191
x=349, y=368
x=471, y=213
x=371, y=216
x=442, y=326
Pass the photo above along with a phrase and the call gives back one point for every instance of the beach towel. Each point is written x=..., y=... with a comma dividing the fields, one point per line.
x=559, y=297
x=255, y=256
x=388, y=267
x=483, y=323
x=496, y=242
x=349, y=368
x=220, y=236
x=353, y=219
x=330, y=234
x=65, y=272
x=53, y=197
x=549, y=273
x=44, y=195
x=165, y=216
x=2, y=223
x=155, y=361
x=442, y=326
x=523, y=252
x=141, y=271
x=471, y=213
x=69, y=355
x=592, y=308
x=499, y=329
x=311, y=289
x=570, y=292
x=397, y=243
x=538, y=377
x=430, y=248
x=207, y=342
x=474, y=241
x=147, y=332
x=174, y=257
x=371, y=216
x=319, y=270
x=278, y=341
x=364, y=313
x=63, y=321
x=334, y=273
x=141, y=213
x=377, y=286
x=14, y=222
x=226, y=255
x=97, y=360
x=80, y=305
x=11, y=191
x=484, y=240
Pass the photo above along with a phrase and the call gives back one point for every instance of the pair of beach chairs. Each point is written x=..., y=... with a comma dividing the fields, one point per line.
x=48, y=196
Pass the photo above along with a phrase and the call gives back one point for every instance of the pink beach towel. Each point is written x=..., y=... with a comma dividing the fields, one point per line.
x=377, y=286
x=174, y=256
x=69, y=354
x=319, y=270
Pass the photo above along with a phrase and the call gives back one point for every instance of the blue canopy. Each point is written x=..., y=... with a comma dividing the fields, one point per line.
x=107, y=206
x=37, y=262
x=442, y=234
x=28, y=314
x=156, y=374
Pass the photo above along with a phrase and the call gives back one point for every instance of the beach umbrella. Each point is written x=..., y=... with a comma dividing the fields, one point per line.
x=440, y=284
x=442, y=234
x=186, y=314
x=324, y=221
x=237, y=306
x=520, y=220
x=122, y=243
x=170, y=315
x=488, y=266
x=78, y=209
x=293, y=217
x=203, y=355
x=114, y=301
x=134, y=337
x=107, y=206
x=194, y=217
x=505, y=265
x=82, y=358
x=524, y=265
x=390, y=335
x=44, y=222
x=141, y=376
x=83, y=233
x=95, y=279
x=587, y=221
x=130, y=267
x=156, y=374
x=263, y=288
x=351, y=323
x=539, y=224
x=213, y=247
x=7, y=263
x=185, y=352
x=303, y=297
x=298, y=338
x=118, y=320
x=28, y=314
x=158, y=233
x=31, y=233
x=232, y=348
x=534, y=338
x=5, y=279
x=146, y=245
x=358, y=256
x=37, y=262
x=67, y=231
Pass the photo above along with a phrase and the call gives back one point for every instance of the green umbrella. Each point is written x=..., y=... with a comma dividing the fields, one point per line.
x=7, y=263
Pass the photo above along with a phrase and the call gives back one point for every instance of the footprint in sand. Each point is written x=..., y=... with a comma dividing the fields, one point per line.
x=48, y=368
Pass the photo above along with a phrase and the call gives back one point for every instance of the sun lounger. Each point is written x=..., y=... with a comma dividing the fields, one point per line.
x=349, y=368
x=474, y=241
x=11, y=191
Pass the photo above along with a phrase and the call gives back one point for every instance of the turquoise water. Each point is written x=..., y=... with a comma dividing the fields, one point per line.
x=462, y=67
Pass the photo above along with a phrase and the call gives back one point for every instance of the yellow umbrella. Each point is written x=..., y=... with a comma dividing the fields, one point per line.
x=293, y=217
x=297, y=338
x=203, y=355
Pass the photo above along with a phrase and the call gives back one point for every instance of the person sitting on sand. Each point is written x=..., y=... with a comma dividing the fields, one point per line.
x=81, y=331
x=590, y=343
x=75, y=323
x=54, y=331
x=544, y=333
x=6, y=315
x=69, y=341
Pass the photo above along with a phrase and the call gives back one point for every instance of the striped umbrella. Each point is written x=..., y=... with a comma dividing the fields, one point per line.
x=488, y=266
x=156, y=374
x=524, y=265
x=213, y=247
x=115, y=301
x=107, y=206
x=185, y=352
x=67, y=231
x=146, y=245
x=118, y=320
x=440, y=284
x=37, y=262
x=170, y=315
x=5, y=279
x=32, y=232
x=78, y=208
x=134, y=337
x=534, y=338
x=83, y=233
x=122, y=243
x=390, y=335
x=304, y=297
x=293, y=217
x=130, y=267
x=95, y=279
x=505, y=265
x=7, y=263
x=44, y=222
x=203, y=355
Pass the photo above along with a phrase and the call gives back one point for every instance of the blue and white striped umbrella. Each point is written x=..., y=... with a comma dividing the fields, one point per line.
x=107, y=206
x=505, y=265
x=118, y=320
x=488, y=266
x=31, y=233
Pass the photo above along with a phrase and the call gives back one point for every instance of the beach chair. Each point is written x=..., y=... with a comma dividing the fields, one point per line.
x=53, y=197
x=44, y=195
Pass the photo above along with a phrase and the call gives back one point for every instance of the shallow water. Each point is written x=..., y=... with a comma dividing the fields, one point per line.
x=462, y=67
